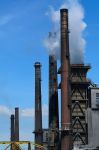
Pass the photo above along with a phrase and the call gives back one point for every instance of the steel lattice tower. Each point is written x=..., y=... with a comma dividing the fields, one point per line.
x=79, y=96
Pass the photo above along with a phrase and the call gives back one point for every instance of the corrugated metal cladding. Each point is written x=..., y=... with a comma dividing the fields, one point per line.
x=94, y=91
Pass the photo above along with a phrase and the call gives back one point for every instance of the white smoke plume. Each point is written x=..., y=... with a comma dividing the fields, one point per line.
x=76, y=28
x=52, y=44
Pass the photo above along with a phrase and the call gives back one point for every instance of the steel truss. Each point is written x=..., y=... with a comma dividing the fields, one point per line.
x=79, y=97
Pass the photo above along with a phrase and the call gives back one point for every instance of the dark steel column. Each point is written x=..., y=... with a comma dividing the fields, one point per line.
x=16, y=124
x=29, y=146
x=53, y=101
x=65, y=66
x=12, y=128
x=38, y=110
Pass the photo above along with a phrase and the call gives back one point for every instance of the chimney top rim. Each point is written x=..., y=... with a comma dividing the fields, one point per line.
x=37, y=64
x=64, y=10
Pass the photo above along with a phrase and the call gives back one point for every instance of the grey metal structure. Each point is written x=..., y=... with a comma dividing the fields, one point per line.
x=94, y=98
x=15, y=129
x=46, y=138
x=93, y=117
x=12, y=128
x=16, y=124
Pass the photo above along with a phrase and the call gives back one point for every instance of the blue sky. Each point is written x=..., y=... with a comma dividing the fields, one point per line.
x=23, y=27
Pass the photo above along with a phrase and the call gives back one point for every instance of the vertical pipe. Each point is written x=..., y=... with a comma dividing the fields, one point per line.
x=38, y=110
x=53, y=100
x=12, y=128
x=16, y=124
x=29, y=146
x=65, y=110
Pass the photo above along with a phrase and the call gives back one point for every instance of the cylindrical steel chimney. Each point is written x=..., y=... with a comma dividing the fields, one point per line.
x=12, y=128
x=53, y=101
x=16, y=124
x=65, y=66
x=38, y=105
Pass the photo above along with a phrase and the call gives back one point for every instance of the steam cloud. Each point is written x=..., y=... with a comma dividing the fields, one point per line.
x=52, y=44
x=76, y=27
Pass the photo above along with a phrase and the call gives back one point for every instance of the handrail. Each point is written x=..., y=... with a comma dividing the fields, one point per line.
x=21, y=142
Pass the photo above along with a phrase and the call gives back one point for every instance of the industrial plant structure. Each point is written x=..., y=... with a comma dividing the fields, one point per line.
x=53, y=105
x=93, y=117
x=79, y=103
x=75, y=99
x=15, y=129
x=79, y=96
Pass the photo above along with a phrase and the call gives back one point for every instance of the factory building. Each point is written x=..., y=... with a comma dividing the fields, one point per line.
x=93, y=117
x=79, y=96
x=74, y=95
x=79, y=103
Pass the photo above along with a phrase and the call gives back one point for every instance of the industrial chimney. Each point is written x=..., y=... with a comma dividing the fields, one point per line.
x=65, y=85
x=16, y=124
x=38, y=111
x=53, y=103
x=12, y=128
x=53, y=94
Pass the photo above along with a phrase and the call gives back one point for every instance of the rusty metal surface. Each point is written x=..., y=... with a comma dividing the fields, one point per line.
x=79, y=96
x=53, y=94
x=65, y=71
x=53, y=103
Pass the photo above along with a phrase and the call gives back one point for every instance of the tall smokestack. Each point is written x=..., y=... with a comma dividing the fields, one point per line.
x=65, y=66
x=53, y=94
x=12, y=128
x=38, y=110
x=53, y=101
x=16, y=124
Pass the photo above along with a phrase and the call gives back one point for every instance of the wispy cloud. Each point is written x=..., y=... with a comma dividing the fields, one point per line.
x=4, y=110
x=5, y=19
x=27, y=112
